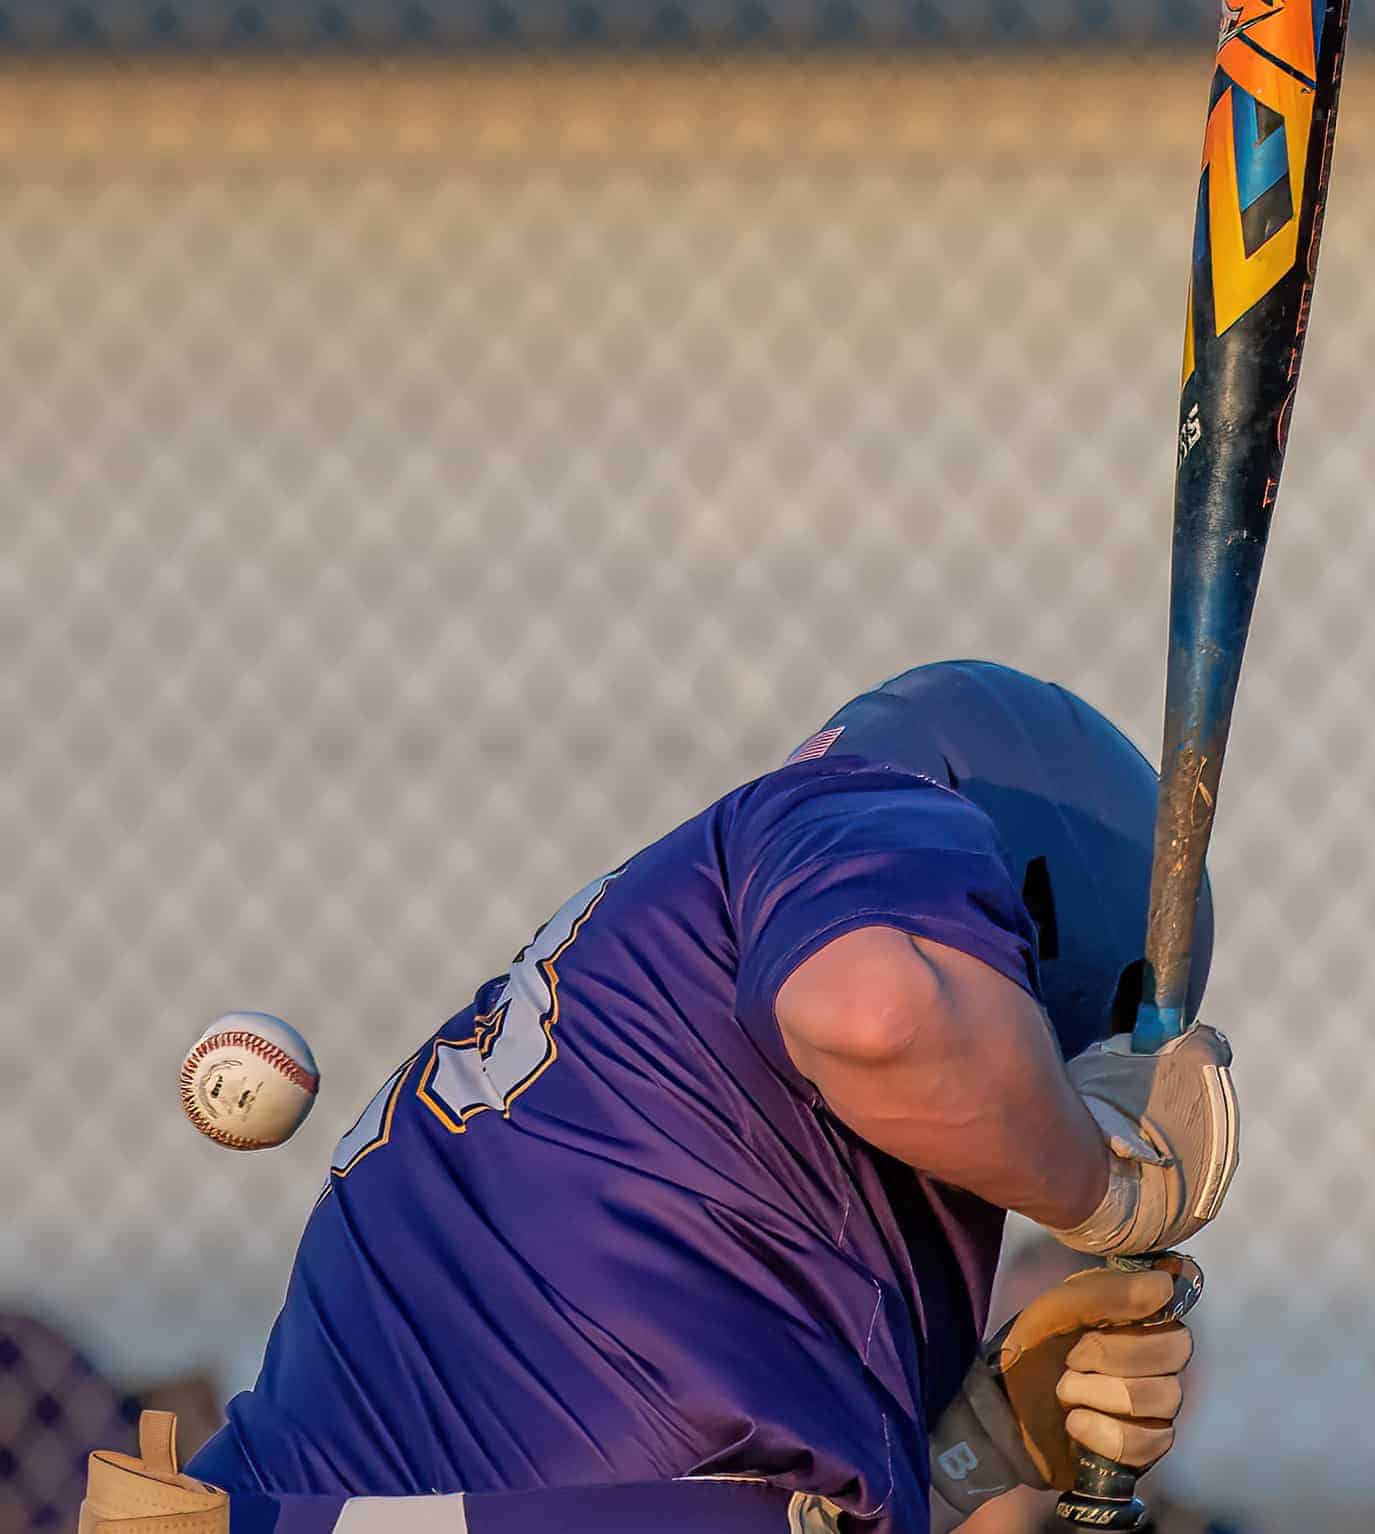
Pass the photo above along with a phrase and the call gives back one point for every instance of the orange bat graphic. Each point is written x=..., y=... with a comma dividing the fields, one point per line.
x=1256, y=144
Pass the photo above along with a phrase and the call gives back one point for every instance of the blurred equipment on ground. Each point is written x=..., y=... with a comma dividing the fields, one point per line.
x=55, y=1408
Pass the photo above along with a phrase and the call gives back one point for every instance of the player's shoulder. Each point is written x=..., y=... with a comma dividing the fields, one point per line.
x=840, y=771
x=845, y=787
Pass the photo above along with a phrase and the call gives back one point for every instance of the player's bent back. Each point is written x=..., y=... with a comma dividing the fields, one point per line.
x=599, y=1227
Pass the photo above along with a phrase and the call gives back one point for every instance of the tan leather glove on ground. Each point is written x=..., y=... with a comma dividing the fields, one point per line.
x=1070, y=1369
x=147, y=1495
x=1171, y=1122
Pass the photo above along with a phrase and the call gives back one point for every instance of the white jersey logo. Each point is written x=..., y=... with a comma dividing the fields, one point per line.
x=511, y=1044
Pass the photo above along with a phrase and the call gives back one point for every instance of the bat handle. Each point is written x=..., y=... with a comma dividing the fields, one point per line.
x=1104, y=1494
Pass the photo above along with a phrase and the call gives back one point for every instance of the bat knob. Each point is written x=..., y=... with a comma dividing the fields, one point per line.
x=1104, y=1496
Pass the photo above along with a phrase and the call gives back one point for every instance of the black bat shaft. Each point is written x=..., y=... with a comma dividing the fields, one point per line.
x=1235, y=410
x=1250, y=293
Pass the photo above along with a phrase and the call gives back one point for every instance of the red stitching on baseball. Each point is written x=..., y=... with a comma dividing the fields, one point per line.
x=265, y=1049
x=272, y=1054
x=222, y=1137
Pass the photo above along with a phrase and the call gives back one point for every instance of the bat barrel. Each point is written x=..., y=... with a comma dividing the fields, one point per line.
x=1266, y=162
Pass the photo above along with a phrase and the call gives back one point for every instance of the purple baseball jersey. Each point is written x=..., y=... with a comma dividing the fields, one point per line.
x=598, y=1229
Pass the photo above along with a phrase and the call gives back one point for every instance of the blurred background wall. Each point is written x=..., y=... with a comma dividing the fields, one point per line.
x=430, y=469
x=151, y=25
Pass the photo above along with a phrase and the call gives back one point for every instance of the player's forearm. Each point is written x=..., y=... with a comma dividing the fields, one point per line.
x=956, y=1074
x=1001, y=1122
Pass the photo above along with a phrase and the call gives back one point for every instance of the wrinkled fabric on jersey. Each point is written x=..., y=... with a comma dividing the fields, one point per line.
x=598, y=1229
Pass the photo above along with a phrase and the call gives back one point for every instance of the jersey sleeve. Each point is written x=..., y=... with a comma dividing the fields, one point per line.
x=819, y=849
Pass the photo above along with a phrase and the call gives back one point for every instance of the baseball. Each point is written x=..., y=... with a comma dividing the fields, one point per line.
x=248, y=1081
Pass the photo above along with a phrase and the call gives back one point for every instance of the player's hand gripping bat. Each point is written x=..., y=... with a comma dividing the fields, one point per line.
x=1267, y=151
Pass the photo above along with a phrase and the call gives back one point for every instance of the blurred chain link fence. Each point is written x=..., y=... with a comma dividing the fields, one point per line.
x=335, y=24
x=420, y=490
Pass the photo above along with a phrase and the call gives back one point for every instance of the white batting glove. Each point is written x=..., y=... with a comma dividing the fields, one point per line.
x=1171, y=1122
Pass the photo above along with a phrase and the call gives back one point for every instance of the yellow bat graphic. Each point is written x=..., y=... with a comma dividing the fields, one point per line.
x=1255, y=150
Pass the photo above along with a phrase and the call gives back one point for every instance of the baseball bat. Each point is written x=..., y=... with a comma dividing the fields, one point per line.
x=1267, y=155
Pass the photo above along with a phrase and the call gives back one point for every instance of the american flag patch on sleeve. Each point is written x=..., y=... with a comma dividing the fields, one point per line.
x=817, y=746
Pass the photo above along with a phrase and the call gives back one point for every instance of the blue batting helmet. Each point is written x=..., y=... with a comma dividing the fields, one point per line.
x=1073, y=802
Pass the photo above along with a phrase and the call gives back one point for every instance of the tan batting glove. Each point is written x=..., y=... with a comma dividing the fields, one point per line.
x=1171, y=1123
x=1070, y=1370
x=147, y=1495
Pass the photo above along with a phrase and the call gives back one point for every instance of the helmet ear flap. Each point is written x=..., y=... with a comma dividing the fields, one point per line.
x=1039, y=900
x=1126, y=1001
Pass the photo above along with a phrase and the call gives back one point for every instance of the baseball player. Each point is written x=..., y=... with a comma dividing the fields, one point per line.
x=690, y=1220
